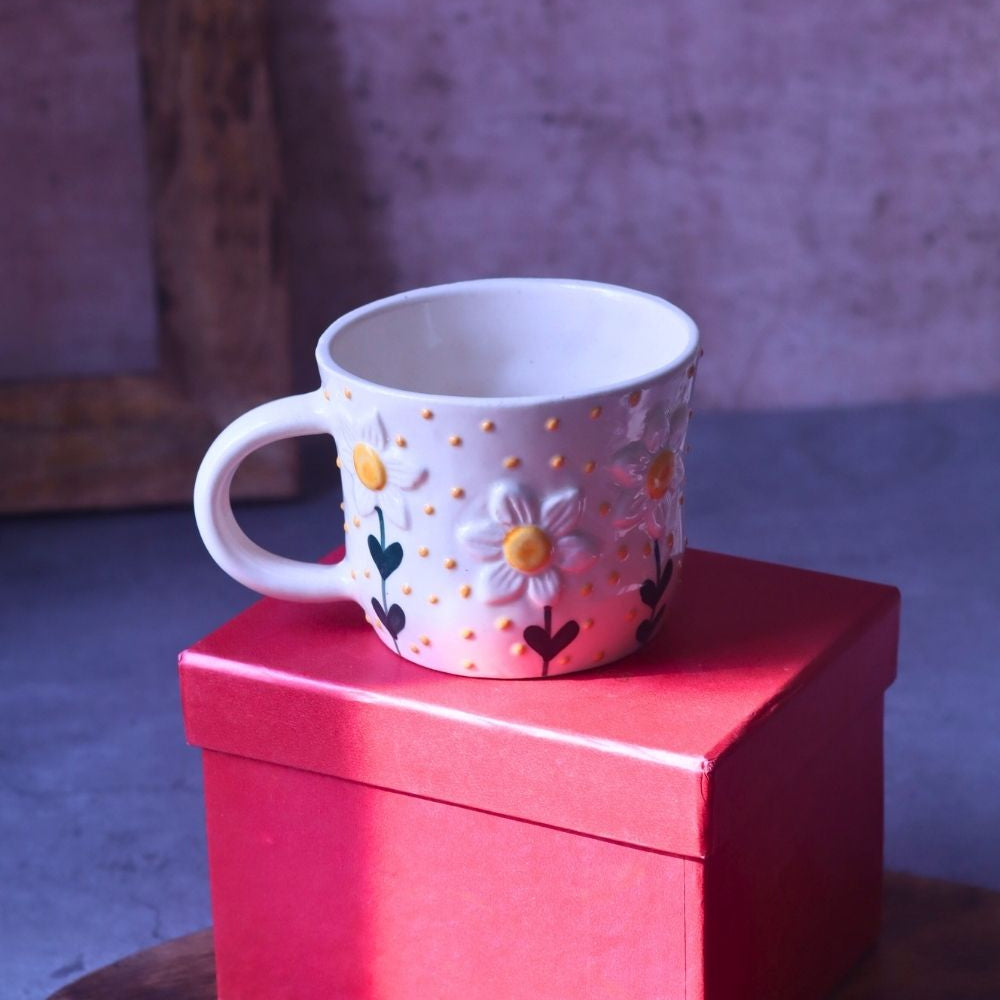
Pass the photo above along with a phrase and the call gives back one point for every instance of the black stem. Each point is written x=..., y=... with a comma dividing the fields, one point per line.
x=381, y=540
x=656, y=554
x=548, y=632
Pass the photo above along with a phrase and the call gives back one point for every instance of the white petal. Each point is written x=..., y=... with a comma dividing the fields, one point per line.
x=364, y=498
x=656, y=516
x=575, y=553
x=499, y=583
x=561, y=511
x=654, y=436
x=628, y=509
x=678, y=426
x=628, y=467
x=371, y=431
x=678, y=478
x=401, y=470
x=511, y=504
x=545, y=587
x=394, y=505
x=484, y=539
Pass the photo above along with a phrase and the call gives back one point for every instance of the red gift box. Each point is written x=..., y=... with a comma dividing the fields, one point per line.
x=703, y=820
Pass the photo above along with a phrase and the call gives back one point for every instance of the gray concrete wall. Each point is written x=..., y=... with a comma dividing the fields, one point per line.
x=818, y=184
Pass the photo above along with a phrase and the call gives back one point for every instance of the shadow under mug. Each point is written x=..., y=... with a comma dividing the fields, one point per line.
x=511, y=453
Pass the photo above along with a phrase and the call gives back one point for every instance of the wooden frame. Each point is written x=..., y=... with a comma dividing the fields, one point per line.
x=221, y=288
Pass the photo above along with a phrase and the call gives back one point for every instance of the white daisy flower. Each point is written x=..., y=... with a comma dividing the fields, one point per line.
x=527, y=545
x=378, y=472
x=650, y=472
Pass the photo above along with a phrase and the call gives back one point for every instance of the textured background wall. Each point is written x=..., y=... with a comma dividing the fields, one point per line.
x=816, y=183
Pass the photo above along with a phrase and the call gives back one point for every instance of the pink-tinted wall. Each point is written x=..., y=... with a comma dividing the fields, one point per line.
x=818, y=184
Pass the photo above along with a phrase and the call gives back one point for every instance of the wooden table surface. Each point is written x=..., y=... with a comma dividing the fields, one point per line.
x=940, y=941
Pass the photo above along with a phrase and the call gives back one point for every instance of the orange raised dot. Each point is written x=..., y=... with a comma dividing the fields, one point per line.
x=457, y=492
x=614, y=576
x=589, y=466
x=468, y=665
x=622, y=552
x=511, y=462
x=599, y=656
x=467, y=633
x=414, y=648
x=631, y=615
x=465, y=590
x=326, y=395
x=563, y=660
x=634, y=397
x=450, y=563
x=670, y=541
x=341, y=504
x=428, y=508
x=347, y=393
x=488, y=426
x=557, y=461
x=354, y=574
x=346, y=526
x=647, y=550
x=503, y=623
x=423, y=551
x=454, y=440
x=357, y=521
x=427, y=414
x=604, y=509
x=587, y=623
x=400, y=440
x=407, y=589
x=337, y=463
x=552, y=424
x=433, y=599
x=518, y=649
x=425, y=640
x=586, y=589
x=596, y=412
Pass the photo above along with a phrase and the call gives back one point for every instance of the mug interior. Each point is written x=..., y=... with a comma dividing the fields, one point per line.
x=511, y=338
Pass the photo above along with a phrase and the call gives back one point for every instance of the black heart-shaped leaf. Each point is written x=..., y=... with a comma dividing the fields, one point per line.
x=549, y=646
x=646, y=629
x=394, y=619
x=651, y=591
x=386, y=560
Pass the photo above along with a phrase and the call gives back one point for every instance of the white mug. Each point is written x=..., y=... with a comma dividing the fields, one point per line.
x=511, y=453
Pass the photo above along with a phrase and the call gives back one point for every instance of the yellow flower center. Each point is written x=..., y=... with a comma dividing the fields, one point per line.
x=369, y=467
x=660, y=474
x=527, y=548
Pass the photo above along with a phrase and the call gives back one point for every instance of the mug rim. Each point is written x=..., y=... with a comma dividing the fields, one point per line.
x=688, y=352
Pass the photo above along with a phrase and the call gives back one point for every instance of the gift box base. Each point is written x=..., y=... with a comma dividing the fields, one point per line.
x=701, y=823
x=329, y=888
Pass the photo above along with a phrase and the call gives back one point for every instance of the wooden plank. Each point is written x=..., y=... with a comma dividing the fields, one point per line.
x=221, y=286
x=181, y=969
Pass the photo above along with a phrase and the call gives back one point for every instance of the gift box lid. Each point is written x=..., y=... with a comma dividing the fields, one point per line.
x=756, y=664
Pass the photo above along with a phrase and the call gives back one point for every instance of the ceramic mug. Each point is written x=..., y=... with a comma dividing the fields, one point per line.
x=511, y=452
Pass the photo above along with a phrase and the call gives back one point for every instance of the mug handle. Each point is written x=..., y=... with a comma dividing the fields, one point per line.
x=242, y=559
